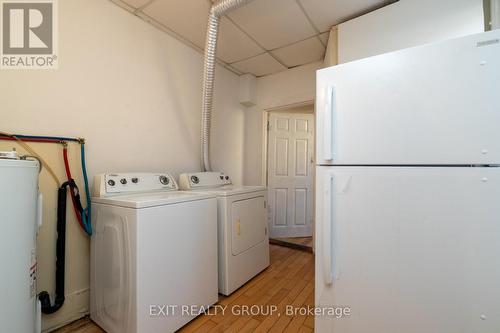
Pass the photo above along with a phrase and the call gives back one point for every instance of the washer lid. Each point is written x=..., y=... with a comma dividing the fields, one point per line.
x=152, y=199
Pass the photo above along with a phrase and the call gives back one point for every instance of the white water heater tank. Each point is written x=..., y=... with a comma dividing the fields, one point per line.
x=19, y=221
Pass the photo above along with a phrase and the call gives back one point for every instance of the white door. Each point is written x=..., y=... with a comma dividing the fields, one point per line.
x=428, y=105
x=290, y=174
x=409, y=250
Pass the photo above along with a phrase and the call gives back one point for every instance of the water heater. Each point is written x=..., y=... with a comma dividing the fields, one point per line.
x=20, y=216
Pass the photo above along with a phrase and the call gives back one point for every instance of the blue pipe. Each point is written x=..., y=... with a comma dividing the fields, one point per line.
x=56, y=138
x=86, y=216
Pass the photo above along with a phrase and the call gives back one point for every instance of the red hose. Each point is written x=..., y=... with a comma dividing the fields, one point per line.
x=68, y=174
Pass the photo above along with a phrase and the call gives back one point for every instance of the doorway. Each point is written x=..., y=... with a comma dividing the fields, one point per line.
x=290, y=176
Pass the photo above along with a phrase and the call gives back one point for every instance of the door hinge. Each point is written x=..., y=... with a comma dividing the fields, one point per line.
x=268, y=125
x=265, y=204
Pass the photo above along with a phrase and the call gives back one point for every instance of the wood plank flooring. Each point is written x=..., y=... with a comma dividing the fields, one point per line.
x=289, y=280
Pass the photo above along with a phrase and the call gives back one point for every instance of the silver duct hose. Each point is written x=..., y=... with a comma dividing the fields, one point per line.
x=218, y=9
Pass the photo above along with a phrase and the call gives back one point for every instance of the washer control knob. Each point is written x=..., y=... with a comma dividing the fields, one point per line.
x=195, y=179
x=221, y=177
x=111, y=182
x=227, y=177
x=135, y=180
x=164, y=180
x=123, y=181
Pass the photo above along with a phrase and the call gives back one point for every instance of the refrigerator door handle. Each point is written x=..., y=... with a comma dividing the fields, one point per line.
x=330, y=260
x=329, y=124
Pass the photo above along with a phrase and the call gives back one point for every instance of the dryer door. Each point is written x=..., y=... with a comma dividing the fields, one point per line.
x=248, y=224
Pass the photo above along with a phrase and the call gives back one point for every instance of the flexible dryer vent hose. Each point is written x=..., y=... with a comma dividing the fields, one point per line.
x=218, y=9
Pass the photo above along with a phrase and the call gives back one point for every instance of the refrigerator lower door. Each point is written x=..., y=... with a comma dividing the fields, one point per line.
x=408, y=249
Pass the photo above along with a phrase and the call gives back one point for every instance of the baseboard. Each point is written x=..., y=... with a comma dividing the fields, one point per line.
x=76, y=306
x=291, y=245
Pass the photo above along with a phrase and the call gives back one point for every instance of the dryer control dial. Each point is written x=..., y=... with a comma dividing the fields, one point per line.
x=195, y=179
x=164, y=180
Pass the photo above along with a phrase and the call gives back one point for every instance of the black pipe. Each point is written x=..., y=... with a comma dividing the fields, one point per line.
x=44, y=296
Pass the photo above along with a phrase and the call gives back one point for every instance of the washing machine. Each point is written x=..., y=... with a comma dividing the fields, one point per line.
x=241, y=223
x=153, y=253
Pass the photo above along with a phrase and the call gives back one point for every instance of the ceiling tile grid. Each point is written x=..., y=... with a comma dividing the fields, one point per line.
x=300, y=53
x=186, y=18
x=260, y=65
x=262, y=38
x=273, y=23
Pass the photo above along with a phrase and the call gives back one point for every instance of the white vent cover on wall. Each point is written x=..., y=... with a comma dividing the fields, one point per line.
x=248, y=90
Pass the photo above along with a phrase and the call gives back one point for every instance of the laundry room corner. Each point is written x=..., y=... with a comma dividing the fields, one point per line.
x=77, y=266
x=152, y=95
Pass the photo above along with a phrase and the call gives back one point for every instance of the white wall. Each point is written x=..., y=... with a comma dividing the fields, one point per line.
x=292, y=87
x=408, y=23
x=332, y=50
x=135, y=94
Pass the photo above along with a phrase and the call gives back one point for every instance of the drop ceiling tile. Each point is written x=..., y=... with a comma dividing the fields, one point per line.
x=234, y=45
x=136, y=3
x=327, y=13
x=186, y=18
x=304, y=52
x=260, y=65
x=324, y=37
x=273, y=23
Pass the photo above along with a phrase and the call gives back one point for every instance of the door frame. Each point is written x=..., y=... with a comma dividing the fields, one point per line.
x=495, y=14
x=265, y=134
x=265, y=144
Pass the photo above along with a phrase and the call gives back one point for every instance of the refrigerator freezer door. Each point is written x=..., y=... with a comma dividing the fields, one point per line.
x=408, y=249
x=432, y=105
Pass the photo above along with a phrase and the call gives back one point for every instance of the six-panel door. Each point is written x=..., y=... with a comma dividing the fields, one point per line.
x=290, y=174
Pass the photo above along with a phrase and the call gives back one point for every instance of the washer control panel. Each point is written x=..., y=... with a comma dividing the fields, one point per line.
x=114, y=183
x=189, y=181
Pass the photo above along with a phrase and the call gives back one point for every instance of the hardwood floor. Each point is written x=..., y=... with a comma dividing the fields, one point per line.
x=84, y=325
x=289, y=280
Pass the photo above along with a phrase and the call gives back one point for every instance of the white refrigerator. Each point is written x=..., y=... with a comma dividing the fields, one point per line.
x=408, y=191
